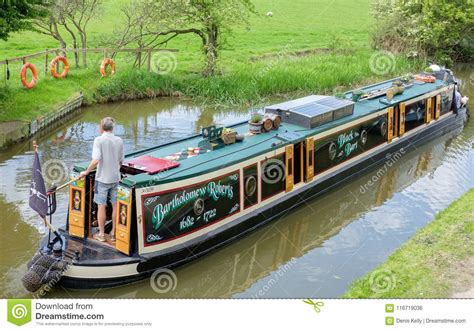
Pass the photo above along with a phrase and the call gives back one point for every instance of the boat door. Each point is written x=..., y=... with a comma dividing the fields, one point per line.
x=76, y=217
x=289, y=167
x=123, y=219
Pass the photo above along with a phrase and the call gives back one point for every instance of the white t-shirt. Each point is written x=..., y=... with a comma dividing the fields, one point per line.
x=108, y=149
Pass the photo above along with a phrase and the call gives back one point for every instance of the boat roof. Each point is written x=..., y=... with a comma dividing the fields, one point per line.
x=254, y=145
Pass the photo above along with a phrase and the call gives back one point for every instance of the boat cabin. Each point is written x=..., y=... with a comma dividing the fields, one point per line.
x=180, y=191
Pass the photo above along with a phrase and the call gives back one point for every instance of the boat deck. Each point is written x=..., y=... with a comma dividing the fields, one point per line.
x=254, y=145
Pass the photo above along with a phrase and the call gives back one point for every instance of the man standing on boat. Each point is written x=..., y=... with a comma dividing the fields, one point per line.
x=107, y=156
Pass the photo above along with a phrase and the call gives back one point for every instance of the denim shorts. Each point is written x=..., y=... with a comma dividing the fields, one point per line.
x=103, y=191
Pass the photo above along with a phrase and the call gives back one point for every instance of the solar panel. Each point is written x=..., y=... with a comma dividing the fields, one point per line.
x=312, y=111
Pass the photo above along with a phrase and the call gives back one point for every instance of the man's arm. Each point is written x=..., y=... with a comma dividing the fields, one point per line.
x=96, y=156
x=91, y=167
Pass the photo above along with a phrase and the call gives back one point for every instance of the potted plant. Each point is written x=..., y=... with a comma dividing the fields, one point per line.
x=407, y=79
x=428, y=71
x=340, y=95
x=255, y=123
x=228, y=136
x=357, y=94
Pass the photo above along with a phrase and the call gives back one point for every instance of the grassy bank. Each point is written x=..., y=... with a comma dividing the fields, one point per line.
x=244, y=84
x=434, y=263
x=342, y=63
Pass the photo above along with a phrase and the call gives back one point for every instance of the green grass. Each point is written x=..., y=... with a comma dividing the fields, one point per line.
x=297, y=25
x=430, y=264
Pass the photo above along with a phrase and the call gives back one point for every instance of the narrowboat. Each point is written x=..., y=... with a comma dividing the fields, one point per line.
x=181, y=200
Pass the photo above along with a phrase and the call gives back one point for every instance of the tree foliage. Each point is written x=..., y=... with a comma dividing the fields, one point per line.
x=437, y=29
x=150, y=23
x=15, y=15
x=68, y=18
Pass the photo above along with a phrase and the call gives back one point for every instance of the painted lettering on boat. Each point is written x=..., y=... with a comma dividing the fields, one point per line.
x=174, y=213
x=346, y=143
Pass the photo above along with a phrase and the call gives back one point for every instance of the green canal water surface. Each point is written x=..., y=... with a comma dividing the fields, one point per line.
x=314, y=251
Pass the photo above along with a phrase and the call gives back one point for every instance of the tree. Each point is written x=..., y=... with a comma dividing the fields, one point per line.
x=15, y=15
x=68, y=17
x=440, y=30
x=80, y=13
x=151, y=23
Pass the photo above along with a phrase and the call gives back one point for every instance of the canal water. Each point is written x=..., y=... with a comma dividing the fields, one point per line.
x=315, y=251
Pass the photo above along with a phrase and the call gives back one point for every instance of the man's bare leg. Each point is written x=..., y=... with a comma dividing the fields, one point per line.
x=114, y=207
x=101, y=219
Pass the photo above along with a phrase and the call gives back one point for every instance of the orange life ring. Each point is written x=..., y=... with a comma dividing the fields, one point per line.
x=53, y=67
x=33, y=81
x=107, y=62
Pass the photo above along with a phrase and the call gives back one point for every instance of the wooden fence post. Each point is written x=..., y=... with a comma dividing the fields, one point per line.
x=149, y=60
x=46, y=63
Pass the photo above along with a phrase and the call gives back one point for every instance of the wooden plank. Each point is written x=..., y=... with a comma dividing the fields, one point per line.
x=309, y=159
x=93, y=50
x=402, y=120
x=390, y=124
x=289, y=167
x=438, y=106
x=428, y=110
x=21, y=58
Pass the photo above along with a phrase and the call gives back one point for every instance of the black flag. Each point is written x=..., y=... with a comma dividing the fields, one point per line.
x=38, y=198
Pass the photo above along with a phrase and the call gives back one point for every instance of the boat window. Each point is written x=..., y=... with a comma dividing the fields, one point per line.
x=339, y=147
x=415, y=115
x=446, y=101
x=250, y=185
x=273, y=176
x=298, y=163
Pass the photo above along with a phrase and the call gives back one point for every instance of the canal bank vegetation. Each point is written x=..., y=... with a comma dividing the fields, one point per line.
x=438, y=30
x=273, y=49
x=249, y=84
x=435, y=263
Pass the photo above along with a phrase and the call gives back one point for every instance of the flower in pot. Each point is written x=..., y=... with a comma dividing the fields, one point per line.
x=255, y=123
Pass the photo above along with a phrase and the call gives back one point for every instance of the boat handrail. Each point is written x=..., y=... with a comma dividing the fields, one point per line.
x=141, y=151
x=218, y=157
